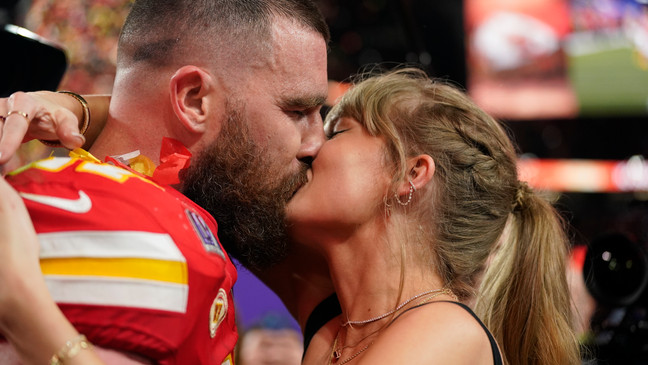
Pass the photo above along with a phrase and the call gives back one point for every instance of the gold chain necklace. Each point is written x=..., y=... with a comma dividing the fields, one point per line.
x=336, y=353
x=400, y=306
x=335, y=356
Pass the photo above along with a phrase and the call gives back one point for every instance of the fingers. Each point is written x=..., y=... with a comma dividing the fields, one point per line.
x=37, y=115
x=12, y=131
x=13, y=127
x=66, y=128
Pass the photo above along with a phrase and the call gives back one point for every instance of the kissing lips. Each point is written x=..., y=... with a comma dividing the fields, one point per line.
x=305, y=179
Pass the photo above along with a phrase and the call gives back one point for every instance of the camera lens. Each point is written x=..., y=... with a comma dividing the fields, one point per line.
x=615, y=270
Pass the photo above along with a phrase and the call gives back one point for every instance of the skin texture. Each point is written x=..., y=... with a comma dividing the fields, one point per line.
x=346, y=183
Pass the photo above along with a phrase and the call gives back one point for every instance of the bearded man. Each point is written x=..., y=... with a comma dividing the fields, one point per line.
x=240, y=84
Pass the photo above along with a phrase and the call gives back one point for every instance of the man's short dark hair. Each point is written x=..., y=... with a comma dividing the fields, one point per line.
x=160, y=31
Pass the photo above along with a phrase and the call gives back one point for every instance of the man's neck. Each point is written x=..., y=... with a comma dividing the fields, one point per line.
x=115, y=141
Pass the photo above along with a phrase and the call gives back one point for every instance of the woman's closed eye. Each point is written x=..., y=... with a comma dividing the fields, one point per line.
x=332, y=134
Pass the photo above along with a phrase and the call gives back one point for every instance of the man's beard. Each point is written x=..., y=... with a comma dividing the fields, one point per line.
x=235, y=183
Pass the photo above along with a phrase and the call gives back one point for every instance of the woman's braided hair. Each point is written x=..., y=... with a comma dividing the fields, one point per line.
x=475, y=208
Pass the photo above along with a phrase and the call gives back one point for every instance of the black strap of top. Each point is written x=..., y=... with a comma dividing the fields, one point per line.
x=497, y=357
x=328, y=309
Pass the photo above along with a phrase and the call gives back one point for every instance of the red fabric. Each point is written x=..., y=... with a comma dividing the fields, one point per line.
x=173, y=158
x=128, y=202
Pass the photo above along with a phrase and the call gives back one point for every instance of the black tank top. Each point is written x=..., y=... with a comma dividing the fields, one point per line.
x=497, y=356
x=329, y=308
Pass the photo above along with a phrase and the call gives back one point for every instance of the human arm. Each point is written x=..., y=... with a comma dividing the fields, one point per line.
x=50, y=116
x=29, y=318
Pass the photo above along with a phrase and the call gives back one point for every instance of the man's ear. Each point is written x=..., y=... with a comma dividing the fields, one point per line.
x=420, y=170
x=192, y=92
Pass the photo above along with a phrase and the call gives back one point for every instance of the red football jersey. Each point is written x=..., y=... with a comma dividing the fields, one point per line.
x=135, y=266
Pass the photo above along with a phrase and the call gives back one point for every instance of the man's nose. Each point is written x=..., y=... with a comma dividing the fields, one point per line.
x=313, y=138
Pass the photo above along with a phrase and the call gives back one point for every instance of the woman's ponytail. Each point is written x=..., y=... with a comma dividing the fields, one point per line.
x=524, y=297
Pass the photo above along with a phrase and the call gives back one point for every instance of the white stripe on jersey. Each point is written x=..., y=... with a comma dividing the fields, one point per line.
x=109, y=244
x=121, y=292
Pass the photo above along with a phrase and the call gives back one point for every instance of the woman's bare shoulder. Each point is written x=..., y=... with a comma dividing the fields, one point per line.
x=437, y=332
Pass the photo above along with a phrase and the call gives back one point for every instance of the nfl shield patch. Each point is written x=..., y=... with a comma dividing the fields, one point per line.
x=209, y=241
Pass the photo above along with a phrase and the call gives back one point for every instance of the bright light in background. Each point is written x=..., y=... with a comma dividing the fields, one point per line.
x=592, y=176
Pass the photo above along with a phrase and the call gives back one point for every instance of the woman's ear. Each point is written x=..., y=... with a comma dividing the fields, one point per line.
x=420, y=172
x=191, y=90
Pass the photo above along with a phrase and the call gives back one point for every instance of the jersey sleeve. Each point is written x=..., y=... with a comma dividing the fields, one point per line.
x=135, y=266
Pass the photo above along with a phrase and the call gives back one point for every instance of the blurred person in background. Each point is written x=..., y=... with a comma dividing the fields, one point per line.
x=272, y=341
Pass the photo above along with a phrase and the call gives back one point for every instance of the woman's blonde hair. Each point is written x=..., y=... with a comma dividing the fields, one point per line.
x=473, y=209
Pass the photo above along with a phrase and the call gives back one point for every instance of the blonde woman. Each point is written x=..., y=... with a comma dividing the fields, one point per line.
x=415, y=191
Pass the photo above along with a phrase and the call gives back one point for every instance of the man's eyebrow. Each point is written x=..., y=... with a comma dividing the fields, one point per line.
x=307, y=102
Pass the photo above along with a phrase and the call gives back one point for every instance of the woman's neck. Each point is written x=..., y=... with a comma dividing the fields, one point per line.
x=366, y=270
